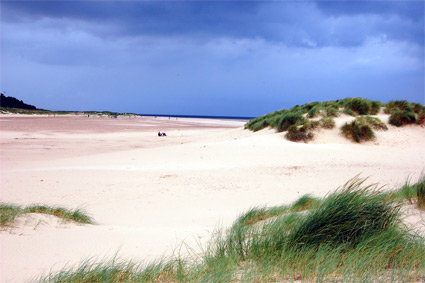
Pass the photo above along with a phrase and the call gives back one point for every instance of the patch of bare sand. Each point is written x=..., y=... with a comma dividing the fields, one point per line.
x=149, y=193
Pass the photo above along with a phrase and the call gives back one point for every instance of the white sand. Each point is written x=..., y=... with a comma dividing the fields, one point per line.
x=148, y=194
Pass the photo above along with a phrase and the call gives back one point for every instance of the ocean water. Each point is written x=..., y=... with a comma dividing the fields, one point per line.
x=199, y=116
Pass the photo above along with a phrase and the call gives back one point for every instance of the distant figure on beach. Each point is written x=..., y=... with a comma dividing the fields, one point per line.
x=162, y=134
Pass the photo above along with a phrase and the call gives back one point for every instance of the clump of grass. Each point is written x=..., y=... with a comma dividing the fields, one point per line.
x=411, y=193
x=279, y=120
x=8, y=213
x=375, y=106
x=417, y=108
x=346, y=216
x=349, y=112
x=257, y=124
x=304, y=203
x=327, y=123
x=255, y=215
x=374, y=122
x=332, y=111
x=420, y=194
x=311, y=125
x=260, y=125
x=401, y=105
x=121, y=271
x=400, y=118
x=289, y=119
x=359, y=105
x=90, y=271
x=76, y=215
x=313, y=112
x=406, y=193
x=296, y=134
x=421, y=118
x=358, y=131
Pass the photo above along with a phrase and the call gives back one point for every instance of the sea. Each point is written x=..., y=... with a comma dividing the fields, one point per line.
x=200, y=116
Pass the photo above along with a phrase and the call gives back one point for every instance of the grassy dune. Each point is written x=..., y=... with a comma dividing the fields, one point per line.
x=298, y=124
x=9, y=212
x=354, y=234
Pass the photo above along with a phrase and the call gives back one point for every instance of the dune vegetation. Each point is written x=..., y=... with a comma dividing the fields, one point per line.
x=9, y=212
x=299, y=122
x=354, y=234
x=411, y=193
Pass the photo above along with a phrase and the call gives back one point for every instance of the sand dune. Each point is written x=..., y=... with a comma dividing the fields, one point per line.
x=148, y=194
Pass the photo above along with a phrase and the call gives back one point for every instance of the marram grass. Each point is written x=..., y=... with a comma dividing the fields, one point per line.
x=9, y=212
x=358, y=131
x=411, y=193
x=298, y=126
x=352, y=235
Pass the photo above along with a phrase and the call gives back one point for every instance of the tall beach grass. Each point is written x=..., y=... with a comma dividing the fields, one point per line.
x=352, y=235
x=411, y=193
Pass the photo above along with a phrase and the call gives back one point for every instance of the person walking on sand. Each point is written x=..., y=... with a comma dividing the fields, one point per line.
x=159, y=134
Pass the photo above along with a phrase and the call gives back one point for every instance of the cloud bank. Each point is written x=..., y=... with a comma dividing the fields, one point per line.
x=209, y=58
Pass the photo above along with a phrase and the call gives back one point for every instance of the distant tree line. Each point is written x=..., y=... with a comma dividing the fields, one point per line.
x=11, y=102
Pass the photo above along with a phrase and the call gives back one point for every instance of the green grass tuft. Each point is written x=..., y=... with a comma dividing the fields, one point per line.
x=327, y=123
x=400, y=118
x=345, y=217
x=349, y=112
x=357, y=131
x=313, y=112
x=296, y=134
x=411, y=193
x=8, y=213
x=311, y=125
x=420, y=194
x=304, y=203
x=255, y=215
x=374, y=122
x=289, y=119
x=359, y=105
x=375, y=107
x=332, y=111
x=401, y=105
x=406, y=193
x=417, y=108
x=421, y=118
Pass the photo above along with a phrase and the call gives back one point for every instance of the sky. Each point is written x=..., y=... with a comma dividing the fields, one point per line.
x=217, y=58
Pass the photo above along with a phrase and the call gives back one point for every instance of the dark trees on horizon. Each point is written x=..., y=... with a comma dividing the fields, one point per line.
x=11, y=102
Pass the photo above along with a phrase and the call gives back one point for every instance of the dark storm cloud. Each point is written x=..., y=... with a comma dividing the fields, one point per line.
x=398, y=20
x=141, y=18
x=307, y=24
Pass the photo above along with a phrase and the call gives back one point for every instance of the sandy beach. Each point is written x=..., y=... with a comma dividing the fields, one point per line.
x=151, y=196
